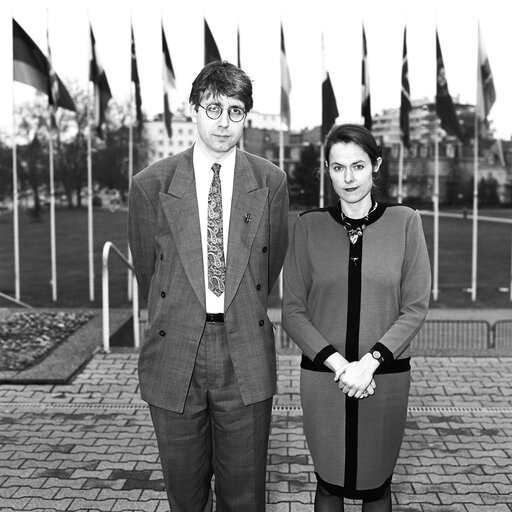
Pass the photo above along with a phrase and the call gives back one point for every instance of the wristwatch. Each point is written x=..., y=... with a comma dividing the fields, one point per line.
x=377, y=355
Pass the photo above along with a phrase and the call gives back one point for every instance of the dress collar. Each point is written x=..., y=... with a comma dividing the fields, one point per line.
x=355, y=227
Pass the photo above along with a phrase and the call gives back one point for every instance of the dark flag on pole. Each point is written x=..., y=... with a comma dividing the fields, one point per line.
x=366, y=109
x=405, y=97
x=486, y=93
x=329, y=107
x=53, y=97
x=102, y=94
x=444, y=104
x=211, y=52
x=31, y=67
x=286, y=84
x=136, y=81
x=169, y=83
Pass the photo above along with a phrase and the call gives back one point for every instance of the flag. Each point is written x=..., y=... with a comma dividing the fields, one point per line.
x=329, y=107
x=102, y=94
x=53, y=97
x=31, y=67
x=136, y=81
x=211, y=52
x=444, y=104
x=405, y=97
x=169, y=83
x=486, y=93
x=366, y=110
x=286, y=84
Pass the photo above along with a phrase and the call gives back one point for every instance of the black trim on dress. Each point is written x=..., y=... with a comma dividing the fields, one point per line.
x=366, y=494
x=352, y=354
x=320, y=358
x=396, y=366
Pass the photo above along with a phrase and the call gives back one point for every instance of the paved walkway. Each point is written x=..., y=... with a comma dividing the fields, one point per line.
x=89, y=446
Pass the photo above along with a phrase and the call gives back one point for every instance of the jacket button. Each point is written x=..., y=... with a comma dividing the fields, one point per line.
x=162, y=333
x=258, y=287
x=265, y=249
x=162, y=294
x=161, y=256
x=262, y=323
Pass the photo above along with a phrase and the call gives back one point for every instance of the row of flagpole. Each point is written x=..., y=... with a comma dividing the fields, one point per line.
x=446, y=113
x=32, y=67
x=41, y=68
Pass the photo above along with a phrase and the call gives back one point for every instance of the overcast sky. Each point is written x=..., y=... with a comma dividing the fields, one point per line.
x=303, y=22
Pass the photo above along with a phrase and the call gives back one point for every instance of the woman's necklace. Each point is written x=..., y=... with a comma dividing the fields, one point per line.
x=354, y=233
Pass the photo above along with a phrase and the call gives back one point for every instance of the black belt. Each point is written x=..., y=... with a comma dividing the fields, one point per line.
x=215, y=318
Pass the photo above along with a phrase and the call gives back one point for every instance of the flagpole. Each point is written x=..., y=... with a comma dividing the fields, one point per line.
x=321, y=199
x=15, y=203
x=53, y=244
x=400, y=172
x=130, y=174
x=281, y=166
x=89, y=206
x=474, y=251
x=435, y=200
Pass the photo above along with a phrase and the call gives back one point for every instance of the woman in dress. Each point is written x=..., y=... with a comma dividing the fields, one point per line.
x=356, y=292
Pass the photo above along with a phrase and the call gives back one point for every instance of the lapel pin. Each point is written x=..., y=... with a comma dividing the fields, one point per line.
x=248, y=218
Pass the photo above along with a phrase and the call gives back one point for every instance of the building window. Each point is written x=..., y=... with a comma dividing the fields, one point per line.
x=423, y=151
x=395, y=151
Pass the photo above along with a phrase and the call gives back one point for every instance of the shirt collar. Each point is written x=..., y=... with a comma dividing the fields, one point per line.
x=202, y=161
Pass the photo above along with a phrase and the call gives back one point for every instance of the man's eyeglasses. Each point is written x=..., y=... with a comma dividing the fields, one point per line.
x=214, y=111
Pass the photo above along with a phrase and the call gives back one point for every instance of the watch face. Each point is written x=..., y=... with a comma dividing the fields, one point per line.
x=376, y=354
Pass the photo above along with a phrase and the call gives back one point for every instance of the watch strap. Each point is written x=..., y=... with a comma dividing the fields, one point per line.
x=386, y=354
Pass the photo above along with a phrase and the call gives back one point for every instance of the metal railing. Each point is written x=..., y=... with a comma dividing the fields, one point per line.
x=16, y=301
x=436, y=335
x=105, y=296
x=502, y=334
x=454, y=334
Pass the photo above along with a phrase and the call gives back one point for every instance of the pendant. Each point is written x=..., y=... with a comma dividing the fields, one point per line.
x=354, y=235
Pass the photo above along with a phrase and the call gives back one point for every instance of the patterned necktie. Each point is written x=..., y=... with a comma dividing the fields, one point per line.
x=215, y=239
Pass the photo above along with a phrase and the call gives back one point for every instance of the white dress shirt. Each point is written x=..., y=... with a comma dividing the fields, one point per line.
x=203, y=175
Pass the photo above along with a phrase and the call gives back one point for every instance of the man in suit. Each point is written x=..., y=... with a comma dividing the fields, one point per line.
x=208, y=233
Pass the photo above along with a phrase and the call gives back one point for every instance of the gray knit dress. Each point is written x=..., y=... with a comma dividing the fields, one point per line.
x=352, y=298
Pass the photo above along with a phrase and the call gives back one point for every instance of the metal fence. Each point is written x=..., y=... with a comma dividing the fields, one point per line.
x=502, y=335
x=439, y=335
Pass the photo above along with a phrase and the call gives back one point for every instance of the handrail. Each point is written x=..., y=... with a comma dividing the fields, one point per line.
x=105, y=296
x=16, y=301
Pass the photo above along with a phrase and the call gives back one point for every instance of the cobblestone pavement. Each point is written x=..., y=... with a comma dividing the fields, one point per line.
x=89, y=446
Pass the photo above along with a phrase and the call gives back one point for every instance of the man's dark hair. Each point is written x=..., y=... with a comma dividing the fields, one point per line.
x=221, y=78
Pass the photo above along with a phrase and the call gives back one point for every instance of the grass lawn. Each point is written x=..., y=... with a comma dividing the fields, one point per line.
x=72, y=258
x=494, y=255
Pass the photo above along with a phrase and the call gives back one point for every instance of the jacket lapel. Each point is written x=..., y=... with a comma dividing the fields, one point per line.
x=247, y=207
x=180, y=208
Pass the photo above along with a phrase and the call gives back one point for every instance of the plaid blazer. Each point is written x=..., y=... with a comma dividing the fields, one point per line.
x=165, y=242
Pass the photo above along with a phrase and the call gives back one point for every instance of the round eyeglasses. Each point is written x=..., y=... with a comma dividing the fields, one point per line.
x=214, y=111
